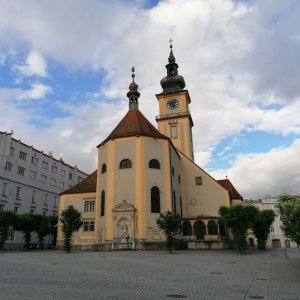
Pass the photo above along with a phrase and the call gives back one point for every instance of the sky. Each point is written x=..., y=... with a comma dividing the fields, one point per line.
x=65, y=67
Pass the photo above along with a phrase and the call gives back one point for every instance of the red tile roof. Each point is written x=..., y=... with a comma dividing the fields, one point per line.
x=233, y=193
x=134, y=123
x=85, y=186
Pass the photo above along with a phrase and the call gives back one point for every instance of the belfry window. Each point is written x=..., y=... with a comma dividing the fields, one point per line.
x=155, y=200
x=102, y=208
x=103, y=169
x=125, y=164
x=154, y=164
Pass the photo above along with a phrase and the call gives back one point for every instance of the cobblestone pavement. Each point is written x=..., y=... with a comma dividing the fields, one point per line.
x=150, y=275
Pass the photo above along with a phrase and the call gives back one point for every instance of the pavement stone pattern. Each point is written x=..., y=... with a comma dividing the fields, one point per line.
x=190, y=274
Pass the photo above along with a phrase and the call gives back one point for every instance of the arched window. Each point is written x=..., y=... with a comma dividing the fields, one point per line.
x=212, y=227
x=102, y=208
x=186, y=228
x=199, y=230
x=125, y=164
x=103, y=169
x=154, y=164
x=155, y=200
x=173, y=172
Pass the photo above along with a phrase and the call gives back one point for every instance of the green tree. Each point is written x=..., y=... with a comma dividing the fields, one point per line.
x=26, y=224
x=53, y=220
x=71, y=222
x=7, y=219
x=239, y=218
x=41, y=227
x=289, y=210
x=169, y=224
x=261, y=227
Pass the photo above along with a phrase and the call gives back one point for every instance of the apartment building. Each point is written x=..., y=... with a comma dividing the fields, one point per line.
x=276, y=239
x=31, y=180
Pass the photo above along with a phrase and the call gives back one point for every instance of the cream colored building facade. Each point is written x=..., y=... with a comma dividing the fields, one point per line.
x=142, y=172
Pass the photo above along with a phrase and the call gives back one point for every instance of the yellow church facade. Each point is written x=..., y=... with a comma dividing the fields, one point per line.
x=143, y=171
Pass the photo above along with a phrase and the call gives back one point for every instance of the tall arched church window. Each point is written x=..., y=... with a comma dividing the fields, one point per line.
x=103, y=169
x=155, y=200
x=199, y=230
x=125, y=164
x=102, y=207
x=154, y=164
x=186, y=228
x=212, y=227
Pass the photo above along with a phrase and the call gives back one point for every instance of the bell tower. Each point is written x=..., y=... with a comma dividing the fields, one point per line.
x=174, y=119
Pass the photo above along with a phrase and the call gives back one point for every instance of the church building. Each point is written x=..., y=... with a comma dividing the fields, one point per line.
x=143, y=171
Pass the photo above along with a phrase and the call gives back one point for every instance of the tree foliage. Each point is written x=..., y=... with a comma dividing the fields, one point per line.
x=41, y=227
x=53, y=220
x=6, y=223
x=261, y=226
x=289, y=210
x=26, y=224
x=239, y=218
x=71, y=222
x=169, y=224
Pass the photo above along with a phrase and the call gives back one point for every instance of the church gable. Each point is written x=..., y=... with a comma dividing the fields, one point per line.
x=202, y=194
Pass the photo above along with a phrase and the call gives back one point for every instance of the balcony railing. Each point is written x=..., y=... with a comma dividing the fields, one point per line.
x=173, y=116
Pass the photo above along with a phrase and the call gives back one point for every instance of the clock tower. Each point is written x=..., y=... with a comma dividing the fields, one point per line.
x=174, y=119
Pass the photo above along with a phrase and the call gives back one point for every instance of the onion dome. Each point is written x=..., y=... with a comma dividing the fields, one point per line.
x=133, y=93
x=172, y=82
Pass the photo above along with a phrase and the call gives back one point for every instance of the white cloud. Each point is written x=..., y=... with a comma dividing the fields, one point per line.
x=37, y=91
x=35, y=65
x=202, y=158
x=258, y=174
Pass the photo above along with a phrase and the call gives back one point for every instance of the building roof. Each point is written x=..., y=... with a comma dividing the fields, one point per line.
x=85, y=186
x=233, y=193
x=134, y=124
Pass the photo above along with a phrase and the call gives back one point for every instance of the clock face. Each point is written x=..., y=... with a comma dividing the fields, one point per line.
x=172, y=103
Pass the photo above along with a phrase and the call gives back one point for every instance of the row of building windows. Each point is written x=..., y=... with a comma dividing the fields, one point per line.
x=18, y=194
x=33, y=176
x=34, y=161
x=153, y=164
x=127, y=164
x=89, y=205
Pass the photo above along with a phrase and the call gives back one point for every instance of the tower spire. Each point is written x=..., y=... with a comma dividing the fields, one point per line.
x=133, y=94
x=172, y=82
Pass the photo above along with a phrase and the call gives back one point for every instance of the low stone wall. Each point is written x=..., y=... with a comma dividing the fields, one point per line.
x=205, y=245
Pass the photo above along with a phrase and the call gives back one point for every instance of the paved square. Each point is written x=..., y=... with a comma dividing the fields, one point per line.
x=150, y=275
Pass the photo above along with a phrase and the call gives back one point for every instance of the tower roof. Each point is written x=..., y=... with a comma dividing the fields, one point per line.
x=134, y=124
x=173, y=81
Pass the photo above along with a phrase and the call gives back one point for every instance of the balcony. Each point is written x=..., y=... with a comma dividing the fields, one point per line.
x=174, y=116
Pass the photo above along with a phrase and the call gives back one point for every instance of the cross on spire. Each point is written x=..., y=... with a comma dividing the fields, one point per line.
x=132, y=75
x=171, y=41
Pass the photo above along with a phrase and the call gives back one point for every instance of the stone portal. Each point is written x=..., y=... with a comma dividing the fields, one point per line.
x=124, y=215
